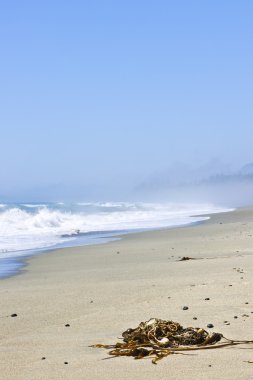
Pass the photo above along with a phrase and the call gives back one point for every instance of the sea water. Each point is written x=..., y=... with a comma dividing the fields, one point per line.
x=29, y=228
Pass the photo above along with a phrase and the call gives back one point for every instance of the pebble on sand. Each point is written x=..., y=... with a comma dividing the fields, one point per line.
x=14, y=315
x=185, y=308
x=210, y=325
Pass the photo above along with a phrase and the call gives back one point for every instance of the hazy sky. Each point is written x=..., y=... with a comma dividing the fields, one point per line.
x=100, y=92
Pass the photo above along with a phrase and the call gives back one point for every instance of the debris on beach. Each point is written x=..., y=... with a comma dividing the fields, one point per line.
x=157, y=339
x=186, y=258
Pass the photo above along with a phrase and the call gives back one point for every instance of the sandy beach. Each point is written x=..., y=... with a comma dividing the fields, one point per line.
x=101, y=290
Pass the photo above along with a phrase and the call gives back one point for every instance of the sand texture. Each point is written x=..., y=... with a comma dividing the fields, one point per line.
x=102, y=290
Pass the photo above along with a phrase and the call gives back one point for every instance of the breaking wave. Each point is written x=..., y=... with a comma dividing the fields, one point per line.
x=36, y=226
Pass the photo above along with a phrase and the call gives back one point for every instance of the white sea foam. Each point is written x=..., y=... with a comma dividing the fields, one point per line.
x=41, y=226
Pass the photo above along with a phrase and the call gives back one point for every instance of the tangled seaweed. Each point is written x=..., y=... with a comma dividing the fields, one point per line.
x=158, y=338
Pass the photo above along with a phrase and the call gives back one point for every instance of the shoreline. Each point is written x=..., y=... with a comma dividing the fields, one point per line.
x=101, y=290
x=21, y=262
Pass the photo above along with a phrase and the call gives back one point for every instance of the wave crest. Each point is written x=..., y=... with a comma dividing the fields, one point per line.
x=23, y=227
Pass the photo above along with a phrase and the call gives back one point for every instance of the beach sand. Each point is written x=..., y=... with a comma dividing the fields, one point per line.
x=102, y=290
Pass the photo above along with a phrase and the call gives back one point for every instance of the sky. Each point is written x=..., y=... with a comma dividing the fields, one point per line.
x=101, y=95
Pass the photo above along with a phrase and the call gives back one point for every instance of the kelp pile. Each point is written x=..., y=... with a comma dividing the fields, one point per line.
x=159, y=338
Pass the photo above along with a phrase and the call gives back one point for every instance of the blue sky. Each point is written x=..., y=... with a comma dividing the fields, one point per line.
x=106, y=93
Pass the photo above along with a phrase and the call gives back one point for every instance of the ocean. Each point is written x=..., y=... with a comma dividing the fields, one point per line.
x=30, y=228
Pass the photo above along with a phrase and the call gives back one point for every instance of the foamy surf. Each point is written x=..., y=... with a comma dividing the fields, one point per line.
x=26, y=227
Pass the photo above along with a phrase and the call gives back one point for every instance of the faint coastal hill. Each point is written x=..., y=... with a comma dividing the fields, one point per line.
x=211, y=183
x=247, y=169
x=245, y=174
x=182, y=174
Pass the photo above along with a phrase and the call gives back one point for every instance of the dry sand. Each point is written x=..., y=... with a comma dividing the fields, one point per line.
x=102, y=290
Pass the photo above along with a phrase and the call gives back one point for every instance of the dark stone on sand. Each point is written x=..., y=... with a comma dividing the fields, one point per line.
x=185, y=308
x=195, y=318
x=207, y=299
x=235, y=317
x=210, y=325
x=66, y=363
x=43, y=358
x=225, y=321
x=67, y=325
x=14, y=315
x=230, y=285
x=246, y=303
x=209, y=365
x=91, y=301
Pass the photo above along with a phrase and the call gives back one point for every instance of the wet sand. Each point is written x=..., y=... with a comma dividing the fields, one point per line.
x=100, y=291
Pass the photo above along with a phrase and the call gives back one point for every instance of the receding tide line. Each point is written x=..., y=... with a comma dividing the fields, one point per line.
x=14, y=262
